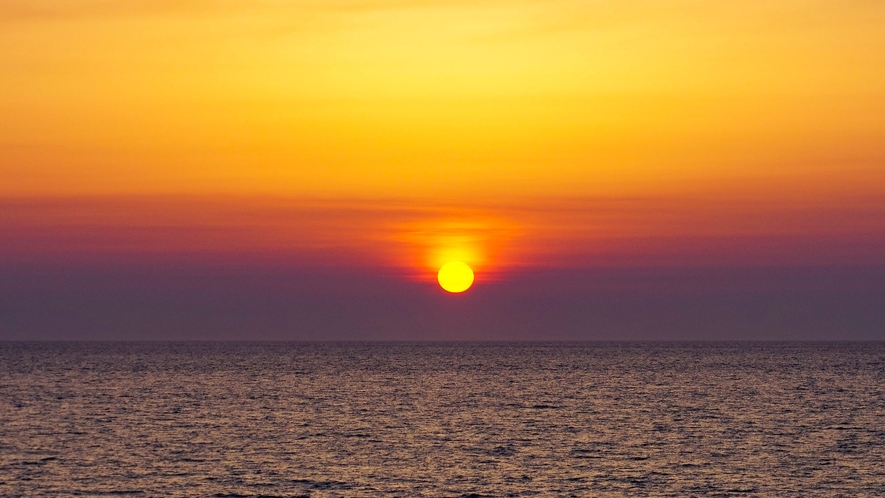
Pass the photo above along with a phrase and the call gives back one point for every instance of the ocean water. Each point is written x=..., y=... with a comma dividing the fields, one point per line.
x=448, y=420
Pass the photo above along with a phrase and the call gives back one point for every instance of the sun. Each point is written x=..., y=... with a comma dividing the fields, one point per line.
x=455, y=276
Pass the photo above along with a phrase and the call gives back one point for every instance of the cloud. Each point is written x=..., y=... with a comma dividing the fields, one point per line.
x=415, y=237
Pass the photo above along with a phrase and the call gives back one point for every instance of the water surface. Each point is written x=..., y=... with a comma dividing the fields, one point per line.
x=450, y=420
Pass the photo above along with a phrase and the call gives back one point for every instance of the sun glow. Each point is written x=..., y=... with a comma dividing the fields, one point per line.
x=455, y=277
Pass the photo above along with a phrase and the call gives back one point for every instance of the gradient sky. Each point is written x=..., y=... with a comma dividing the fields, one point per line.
x=268, y=169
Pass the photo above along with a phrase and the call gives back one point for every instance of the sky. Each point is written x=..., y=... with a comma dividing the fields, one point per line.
x=299, y=170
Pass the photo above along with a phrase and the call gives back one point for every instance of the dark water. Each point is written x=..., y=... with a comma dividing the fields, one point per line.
x=442, y=420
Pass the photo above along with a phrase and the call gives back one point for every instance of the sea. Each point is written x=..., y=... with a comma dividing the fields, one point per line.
x=206, y=419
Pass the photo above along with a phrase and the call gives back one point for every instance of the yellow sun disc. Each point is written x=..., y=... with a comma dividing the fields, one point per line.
x=455, y=276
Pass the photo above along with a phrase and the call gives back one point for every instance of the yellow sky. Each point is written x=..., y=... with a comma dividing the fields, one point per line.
x=406, y=99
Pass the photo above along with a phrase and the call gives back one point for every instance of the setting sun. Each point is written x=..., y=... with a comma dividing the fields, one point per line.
x=309, y=170
x=455, y=277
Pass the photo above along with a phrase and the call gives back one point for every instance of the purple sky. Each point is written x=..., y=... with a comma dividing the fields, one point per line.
x=191, y=302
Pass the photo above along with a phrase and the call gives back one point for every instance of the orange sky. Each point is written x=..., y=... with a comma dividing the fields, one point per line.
x=402, y=133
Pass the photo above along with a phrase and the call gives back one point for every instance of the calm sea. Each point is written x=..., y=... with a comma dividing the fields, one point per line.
x=449, y=420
